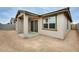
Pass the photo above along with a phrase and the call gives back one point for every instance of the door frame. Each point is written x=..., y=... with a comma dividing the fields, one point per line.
x=34, y=26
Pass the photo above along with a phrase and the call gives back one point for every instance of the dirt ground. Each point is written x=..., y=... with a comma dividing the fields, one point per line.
x=11, y=42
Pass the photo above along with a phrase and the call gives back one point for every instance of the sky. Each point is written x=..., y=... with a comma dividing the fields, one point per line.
x=7, y=12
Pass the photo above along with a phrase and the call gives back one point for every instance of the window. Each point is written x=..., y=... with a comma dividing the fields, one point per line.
x=45, y=23
x=52, y=22
x=49, y=22
x=51, y=25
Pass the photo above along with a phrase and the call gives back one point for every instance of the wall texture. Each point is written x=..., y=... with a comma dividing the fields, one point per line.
x=66, y=30
x=57, y=34
x=7, y=26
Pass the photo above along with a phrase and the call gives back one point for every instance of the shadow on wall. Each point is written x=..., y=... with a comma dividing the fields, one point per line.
x=7, y=26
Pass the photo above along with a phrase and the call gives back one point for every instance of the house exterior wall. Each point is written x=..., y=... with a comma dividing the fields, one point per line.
x=22, y=24
x=16, y=26
x=29, y=25
x=19, y=26
x=60, y=28
x=59, y=33
x=65, y=29
x=25, y=24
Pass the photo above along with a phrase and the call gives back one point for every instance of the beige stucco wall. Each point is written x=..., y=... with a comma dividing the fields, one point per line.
x=29, y=25
x=16, y=26
x=61, y=27
x=22, y=24
x=65, y=25
x=19, y=26
x=57, y=34
x=26, y=24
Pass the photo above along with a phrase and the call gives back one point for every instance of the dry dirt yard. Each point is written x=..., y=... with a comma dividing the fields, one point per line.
x=11, y=42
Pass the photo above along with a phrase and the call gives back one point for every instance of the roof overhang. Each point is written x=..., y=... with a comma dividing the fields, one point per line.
x=65, y=11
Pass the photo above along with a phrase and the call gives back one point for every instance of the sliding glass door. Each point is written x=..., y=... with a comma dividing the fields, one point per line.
x=34, y=26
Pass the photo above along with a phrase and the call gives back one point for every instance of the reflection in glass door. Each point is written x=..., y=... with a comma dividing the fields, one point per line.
x=34, y=26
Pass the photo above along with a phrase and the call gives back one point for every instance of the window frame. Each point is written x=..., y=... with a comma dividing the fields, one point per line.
x=52, y=29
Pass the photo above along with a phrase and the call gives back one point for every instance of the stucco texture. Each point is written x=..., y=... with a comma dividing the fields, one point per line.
x=61, y=27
